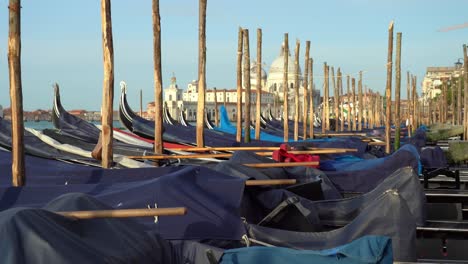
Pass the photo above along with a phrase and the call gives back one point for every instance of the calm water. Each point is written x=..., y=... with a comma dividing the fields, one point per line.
x=46, y=124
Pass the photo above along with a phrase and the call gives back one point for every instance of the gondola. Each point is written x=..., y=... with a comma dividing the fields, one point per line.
x=176, y=133
x=182, y=120
x=75, y=131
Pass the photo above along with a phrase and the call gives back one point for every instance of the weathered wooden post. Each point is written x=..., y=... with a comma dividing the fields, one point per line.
x=18, y=170
x=397, y=90
x=325, y=114
x=216, y=117
x=388, y=90
x=465, y=77
x=158, y=91
x=285, y=89
x=201, y=72
x=413, y=124
x=353, y=116
x=311, y=102
x=240, y=45
x=247, y=86
x=296, y=91
x=224, y=98
x=335, y=98
x=361, y=105
x=348, y=95
x=259, y=84
x=452, y=103
x=408, y=101
x=306, y=97
x=108, y=86
x=444, y=102
x=459, y=101
x=340, y=87
x=141, y=102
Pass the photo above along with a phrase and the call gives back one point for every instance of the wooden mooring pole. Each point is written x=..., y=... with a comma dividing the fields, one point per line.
x=157, y=75
x=16, y=95
x=361, y=104
x=240, y=42
x=216, y=110
x=465, y=77
x=201, y=72
x=335, y=98
x=397, y=90
x=341, y=99
x=459, y=101
x=325, y=115
x=311, y=96
x=108, y=85
x=388, y=89
x=259, y=84
x=296, y=91
x=285, y=89
x=247, y=86
x=306, y=94
x=353, y=112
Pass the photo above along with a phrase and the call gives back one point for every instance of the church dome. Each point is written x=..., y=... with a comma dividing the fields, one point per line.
x=277, y=67
x=253, y=73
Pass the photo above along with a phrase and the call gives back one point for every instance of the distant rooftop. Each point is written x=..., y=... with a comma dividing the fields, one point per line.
x=440, y=69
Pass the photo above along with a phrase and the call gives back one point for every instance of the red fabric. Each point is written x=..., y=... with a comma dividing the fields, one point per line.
x=282, y=155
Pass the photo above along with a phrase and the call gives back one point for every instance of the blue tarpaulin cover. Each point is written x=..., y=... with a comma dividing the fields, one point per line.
x=365, y=250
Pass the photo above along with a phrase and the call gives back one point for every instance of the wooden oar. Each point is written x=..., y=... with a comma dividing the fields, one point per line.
x=228, y=155
x=281, y=164
x=270, y=182
x=252, y=149
x=340, y=134
x=376, y=143
x=125, y=213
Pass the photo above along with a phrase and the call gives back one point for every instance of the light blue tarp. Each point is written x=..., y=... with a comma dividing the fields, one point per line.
x=355, y=165
x=368, y=249
x=226, y=127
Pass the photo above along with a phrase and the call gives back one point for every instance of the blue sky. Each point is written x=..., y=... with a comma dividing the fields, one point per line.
x=61, y=42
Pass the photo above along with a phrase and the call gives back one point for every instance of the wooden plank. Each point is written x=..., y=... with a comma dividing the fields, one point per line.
x=259, y=85
x=201, y=72
x=296, y=91
x=240, y=42
x=247, y=86
x=157, y=76
x=388, y=89
x=397, y=91
x=16, y=95
x=306, y=94
x=270, y=182
x=108, y=85
x=285, y=90
x=124, y=213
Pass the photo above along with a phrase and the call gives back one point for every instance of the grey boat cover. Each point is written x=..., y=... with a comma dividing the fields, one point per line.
x=324, y=214
x=388, y=215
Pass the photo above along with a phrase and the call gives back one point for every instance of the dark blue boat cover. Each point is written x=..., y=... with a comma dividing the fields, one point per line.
x=40, y=236
x=212, y=198
x=364, y=250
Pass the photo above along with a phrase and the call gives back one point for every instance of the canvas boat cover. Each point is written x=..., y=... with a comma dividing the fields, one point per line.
x=388, y=215
x=364, y=250
x=41, y=236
